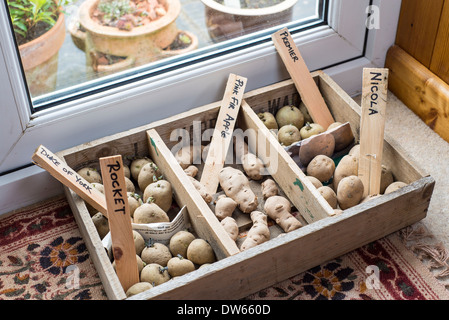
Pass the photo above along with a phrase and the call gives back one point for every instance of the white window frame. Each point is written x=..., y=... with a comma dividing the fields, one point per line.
x=340, y=45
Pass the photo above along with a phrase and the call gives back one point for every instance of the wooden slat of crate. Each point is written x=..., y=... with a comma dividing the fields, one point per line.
x=249, y=271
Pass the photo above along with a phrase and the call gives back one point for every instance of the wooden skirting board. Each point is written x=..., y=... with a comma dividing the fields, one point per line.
x=419, y=89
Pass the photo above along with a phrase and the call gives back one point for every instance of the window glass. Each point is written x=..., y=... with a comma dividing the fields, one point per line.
x=94, y=44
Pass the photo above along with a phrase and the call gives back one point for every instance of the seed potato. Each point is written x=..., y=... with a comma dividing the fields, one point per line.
x=147, y=175
x=355, y=150
x=288, y=135
x=321, y=167
x=138, y=288
x=139, y=242
x=290, y=115
x=386, y=178
x=137, y=165
x=317, y=183
x=134, y=201
x=178, y=266
x=395, y=186
x=179, y=243
x=329, y=195
x=161, y=192
x=150, y=213
x=349, y=192
x=305, y=112
x=140, y=264
x=310, y=129
x=101, y=224
x=268, y=120
x=129, y=185
x=155, y=274
x=156, y=253
x=91, y=175
x=200, y=252
x=348, y=166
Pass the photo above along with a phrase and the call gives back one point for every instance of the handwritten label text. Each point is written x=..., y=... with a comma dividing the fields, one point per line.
x=291, y=50
x=374, y=96
x=118, y=191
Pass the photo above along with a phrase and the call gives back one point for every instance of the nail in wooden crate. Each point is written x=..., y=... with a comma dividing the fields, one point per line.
x=323, y=237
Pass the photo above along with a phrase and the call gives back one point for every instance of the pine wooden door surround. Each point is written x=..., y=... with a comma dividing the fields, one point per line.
x=419, y=61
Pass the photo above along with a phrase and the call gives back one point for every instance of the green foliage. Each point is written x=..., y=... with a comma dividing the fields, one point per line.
x=114, y=9
x=26, y=14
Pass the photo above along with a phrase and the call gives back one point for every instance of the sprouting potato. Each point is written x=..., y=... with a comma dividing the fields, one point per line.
x=134, y=201
x=138, y=288
x=290, y=115
x=348, y=166
x=310, y=129
x=161, y=193
x=147, y=175
x=155, y=274
x=101, y=224
x=150, y=213
x=288, y=134
x=137, y=165
x=268, y=120
x=156, y=253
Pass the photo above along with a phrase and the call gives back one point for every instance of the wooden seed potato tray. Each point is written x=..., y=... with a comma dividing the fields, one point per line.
x=323, y=236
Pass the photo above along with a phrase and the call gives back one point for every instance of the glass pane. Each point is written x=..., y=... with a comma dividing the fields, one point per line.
x=94, y=44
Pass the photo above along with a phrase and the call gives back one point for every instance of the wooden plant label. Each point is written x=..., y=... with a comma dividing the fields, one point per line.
x=222, y=136
x=372, y=126
x=306, y=86
x=57, y=168
x=119, y=219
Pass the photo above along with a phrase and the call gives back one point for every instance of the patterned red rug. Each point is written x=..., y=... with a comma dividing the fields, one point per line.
x=43, y=257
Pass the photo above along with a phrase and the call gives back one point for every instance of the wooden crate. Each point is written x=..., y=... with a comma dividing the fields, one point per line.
x=238, y=274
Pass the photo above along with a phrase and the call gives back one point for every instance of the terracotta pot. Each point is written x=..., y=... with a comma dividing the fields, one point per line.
x=40, y=58
x=192, y=46
x=143, y=43
x=226, y=23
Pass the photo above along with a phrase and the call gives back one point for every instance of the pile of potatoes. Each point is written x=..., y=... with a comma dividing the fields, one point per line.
x=291, y=124
x=150, y=196
x=340, y=185
x=236, y=192
x=159, y=263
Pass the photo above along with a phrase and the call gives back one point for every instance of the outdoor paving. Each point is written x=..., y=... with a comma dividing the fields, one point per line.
x=72, y=69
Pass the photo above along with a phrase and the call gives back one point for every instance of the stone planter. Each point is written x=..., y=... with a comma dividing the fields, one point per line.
x=226, y=23
x=40, y=59
x=138, y=46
